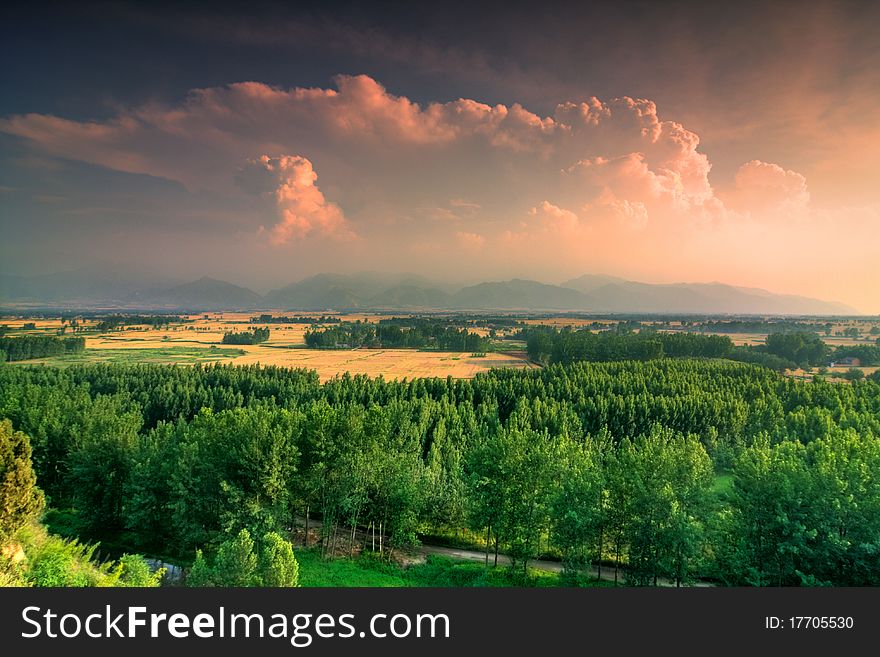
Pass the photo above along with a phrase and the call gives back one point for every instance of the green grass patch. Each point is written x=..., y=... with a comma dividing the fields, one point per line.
x=436, y=571
x=723, y=483
x=315, y=571
x=159, y=355
x=440, y=571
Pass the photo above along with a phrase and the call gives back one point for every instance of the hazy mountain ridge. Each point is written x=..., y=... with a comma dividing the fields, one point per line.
x=207, y=293
x=517, y=294
x=381, y=291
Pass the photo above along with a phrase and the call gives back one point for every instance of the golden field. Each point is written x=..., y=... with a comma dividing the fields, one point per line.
x=201, y=342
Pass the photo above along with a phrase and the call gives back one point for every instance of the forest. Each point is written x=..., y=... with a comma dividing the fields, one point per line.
x=414, y=333
x=548, y=345
x=26, y=347
x=780, y=351
x=117, y=322
x=779, y=325
x=298, y=319
x=663, y=470
x=256, y=336
x=867, y=354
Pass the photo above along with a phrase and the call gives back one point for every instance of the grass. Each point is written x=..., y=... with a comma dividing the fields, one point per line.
x=436, y=571
x=439, y=571
x=723, y=483
x=315, y=571
x=363, y=571
x=185, y=355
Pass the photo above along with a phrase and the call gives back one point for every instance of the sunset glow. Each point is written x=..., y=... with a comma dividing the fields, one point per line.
x=680, y=161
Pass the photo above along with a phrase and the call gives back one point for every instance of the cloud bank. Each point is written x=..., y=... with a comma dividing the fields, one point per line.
x=595, y=186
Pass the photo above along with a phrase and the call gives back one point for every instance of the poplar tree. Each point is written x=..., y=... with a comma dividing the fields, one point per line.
x=20, y=499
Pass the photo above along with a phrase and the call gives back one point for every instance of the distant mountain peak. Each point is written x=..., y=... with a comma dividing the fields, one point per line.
x=94, y=286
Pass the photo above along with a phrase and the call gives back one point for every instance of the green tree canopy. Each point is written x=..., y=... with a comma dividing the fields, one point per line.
x=20, y=499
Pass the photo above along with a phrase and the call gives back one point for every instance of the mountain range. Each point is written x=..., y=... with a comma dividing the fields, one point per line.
x=95, y=287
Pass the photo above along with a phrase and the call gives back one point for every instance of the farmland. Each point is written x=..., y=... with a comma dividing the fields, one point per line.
x=199, y=341
x=198, y=338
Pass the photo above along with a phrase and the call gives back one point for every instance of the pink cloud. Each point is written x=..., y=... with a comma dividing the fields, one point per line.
x=633, y=191
x=380, y=150
x=470, y=241
x=553, y=218
x=609, y=183
x=178, y=142
x=303, y=210
x=763, y=188
x=627, y=126
x=633, y=214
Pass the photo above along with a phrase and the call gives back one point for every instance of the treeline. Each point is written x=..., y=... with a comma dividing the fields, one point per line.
x=779, y=352
x=26, y=347
x=281, y=319
x=414, y=333
x=867, y=355
x=459, y=320
x=594, y=462
x=115, y=322
x=547, y=345
x=762, y=326
x=256, y=336
x=801, y=348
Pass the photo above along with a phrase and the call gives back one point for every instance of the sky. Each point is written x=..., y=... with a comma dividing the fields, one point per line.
x=662, y=142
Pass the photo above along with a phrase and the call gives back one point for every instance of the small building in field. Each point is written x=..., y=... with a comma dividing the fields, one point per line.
x=846, y=361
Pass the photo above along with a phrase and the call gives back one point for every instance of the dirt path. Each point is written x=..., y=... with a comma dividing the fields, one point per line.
x=538, y=564
x=463, y=554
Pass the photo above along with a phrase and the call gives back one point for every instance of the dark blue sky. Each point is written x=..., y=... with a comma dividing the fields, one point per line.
x=701, y=62
x=79, y=58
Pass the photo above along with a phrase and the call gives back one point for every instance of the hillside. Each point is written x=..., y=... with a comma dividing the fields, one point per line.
x=207, y=294
x=517, y=294
x=101, y=287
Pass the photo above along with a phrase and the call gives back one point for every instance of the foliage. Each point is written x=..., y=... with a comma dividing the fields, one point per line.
x=116, y=322
x=588, y=461
x=868, y=355
x=281, y=319
x=20, y=499
x=547, y=345
x=240, y=562
x=133, y=571
x=801, y=347
x=27, y=347
x=256, y=336
x=53, y=561
x=853, y=374
x=804, y=511
x=415, y=333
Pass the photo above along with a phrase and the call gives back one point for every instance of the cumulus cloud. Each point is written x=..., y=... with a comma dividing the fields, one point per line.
x=553, y=218
x=569, y=187
x=364, y=118
x=633, y=214
x=303, y=210
x=763, y=187
x=374, y=145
